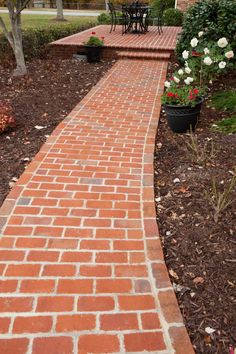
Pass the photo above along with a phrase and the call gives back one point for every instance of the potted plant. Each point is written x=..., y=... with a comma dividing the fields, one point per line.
x=186, y=88
x=93, y=48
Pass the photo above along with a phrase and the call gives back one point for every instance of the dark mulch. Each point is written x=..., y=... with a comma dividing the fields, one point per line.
x=43, y=99
x=200, y=254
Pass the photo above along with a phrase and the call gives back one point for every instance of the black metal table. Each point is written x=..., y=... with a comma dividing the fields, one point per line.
x=136, y=16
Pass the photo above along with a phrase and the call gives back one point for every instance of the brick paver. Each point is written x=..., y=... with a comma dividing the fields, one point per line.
x=150, y=43
x=81, y=264
x=150, y=40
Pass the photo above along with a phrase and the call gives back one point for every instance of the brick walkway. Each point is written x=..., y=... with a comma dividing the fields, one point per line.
x=81, y=265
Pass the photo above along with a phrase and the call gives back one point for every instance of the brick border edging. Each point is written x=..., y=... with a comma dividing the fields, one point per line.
x=171, y=319
x=169, y=311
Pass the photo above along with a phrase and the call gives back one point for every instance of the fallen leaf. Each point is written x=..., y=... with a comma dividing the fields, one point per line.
x=176, y=180
x=39, y=127
x=209, y=330
x=207, y=339
x=198, y=280
x=174, y=216
x=173, y=274
x=183, y=189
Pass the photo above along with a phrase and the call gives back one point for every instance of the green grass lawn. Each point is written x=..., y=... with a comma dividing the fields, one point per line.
x=40, y=21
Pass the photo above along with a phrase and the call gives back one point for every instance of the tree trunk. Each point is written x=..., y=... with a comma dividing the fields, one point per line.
x=106, y=5
x=60, y=16
x=18, y=50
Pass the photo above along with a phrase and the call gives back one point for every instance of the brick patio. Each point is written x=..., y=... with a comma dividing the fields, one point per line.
x=114, y=43
x=82, y=270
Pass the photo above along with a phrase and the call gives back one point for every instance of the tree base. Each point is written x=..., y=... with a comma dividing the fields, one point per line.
x=19, y=72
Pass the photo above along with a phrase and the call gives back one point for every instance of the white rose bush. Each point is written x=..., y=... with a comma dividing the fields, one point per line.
x=202, y=63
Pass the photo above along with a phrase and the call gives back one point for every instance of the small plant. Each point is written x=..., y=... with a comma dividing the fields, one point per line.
x=200, y=154
x=224, y=101
x=220, y=200
x=172, y=17
x=6, y=118
x=226, y=126
x=94, y=41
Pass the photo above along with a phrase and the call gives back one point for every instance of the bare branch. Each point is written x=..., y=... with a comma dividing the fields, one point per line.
x=25, y=2
x=6, y=33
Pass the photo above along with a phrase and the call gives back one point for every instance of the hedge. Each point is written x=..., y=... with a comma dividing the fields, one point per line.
x=35, y=40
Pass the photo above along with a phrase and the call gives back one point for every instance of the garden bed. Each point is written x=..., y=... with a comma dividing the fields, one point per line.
x=40, y=101
x=200, y=254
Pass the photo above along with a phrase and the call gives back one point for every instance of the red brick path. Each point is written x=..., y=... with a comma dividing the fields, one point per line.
x=81, y=264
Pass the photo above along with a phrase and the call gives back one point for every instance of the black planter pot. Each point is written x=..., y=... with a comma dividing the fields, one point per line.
x=93, y=53
x=182, y=119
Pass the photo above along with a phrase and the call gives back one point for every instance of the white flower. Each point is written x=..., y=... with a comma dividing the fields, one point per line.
x=185, y=54
x=206, y=51
x=207, y=61
x=222, y=42
x=194, y=42
x=188, y=80
x=200, y=34
x=187, y=70
x=176, y=79
x=180, y=72
x=222, y=64
x=229, y=54
x=167, y=84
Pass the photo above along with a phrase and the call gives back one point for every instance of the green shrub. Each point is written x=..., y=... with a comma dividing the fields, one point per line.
x=173, y=17
x=157, y=4
x=35, y=40
x=215, y=17
x=104, y=18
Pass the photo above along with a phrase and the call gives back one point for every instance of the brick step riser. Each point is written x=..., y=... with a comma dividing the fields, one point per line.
x=144, y=56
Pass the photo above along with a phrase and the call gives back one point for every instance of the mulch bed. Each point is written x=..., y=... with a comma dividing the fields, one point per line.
x=43, y=99
x=200, y=254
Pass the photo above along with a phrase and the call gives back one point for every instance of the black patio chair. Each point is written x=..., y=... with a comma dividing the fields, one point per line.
x=146, y=19
x=157, y=20
x=117, y=19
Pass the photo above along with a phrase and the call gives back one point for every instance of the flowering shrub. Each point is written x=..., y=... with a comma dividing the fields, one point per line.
x=201, y=64
x=6, y=118
x=218, y=16
x=95, y=41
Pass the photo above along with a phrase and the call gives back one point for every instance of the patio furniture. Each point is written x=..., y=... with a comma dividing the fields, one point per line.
x=116, y=19
x=137, y=17
x=157, y=20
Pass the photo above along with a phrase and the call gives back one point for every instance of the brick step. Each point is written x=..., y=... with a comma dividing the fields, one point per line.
x=145, y=55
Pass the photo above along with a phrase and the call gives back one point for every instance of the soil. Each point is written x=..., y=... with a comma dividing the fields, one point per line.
x=200, y=252
x=43, y=99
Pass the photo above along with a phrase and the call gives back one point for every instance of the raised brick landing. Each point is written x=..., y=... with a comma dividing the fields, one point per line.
x=150, y=44
x=81, y=264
